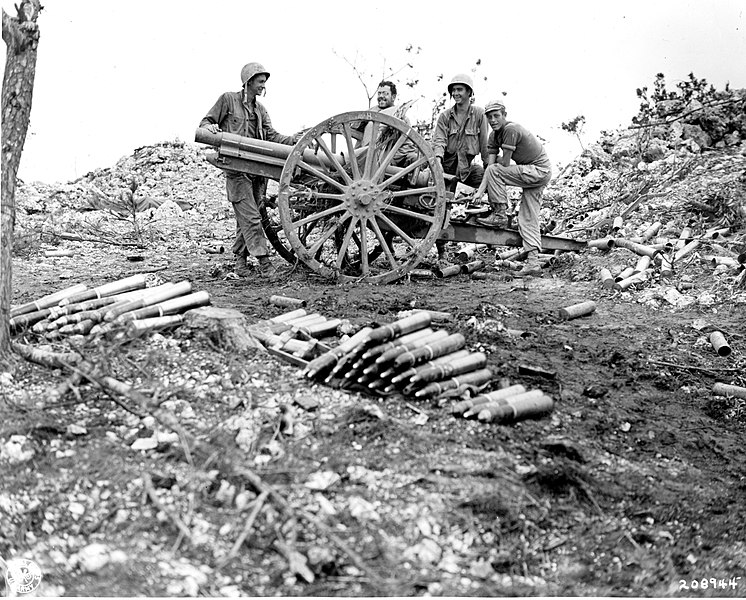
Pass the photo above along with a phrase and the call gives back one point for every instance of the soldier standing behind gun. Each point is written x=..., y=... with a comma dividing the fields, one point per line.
x=531, y=171
x=241, y=113
x=460, y=135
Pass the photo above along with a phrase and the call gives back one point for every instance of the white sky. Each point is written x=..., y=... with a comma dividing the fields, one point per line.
x=114, y=76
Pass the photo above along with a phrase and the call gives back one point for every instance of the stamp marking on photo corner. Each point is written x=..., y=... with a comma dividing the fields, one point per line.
x=22, y=576
x=710, y=583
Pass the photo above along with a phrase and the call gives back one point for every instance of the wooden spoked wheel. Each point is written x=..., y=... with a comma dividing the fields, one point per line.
x=350, y=213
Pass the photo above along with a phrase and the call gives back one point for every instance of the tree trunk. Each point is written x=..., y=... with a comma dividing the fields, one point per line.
x=21, y=35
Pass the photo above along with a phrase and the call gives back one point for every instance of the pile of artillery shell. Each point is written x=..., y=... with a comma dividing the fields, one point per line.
x=125, y=304
x=407, y=356
x=295, y=333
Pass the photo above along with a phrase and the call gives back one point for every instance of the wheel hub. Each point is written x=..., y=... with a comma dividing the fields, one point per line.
x=362, y=197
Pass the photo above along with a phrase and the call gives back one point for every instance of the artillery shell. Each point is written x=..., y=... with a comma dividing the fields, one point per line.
x=286, y=301
x=719, y=343
x=46, y=301
x=376, y=351
x=577, y=310
x=289, y=316
x=408, y=324
x=724, y=389
x=474, y=361
x=524, y=401
x=475, y=379
x=328, y=360
x=435, y=315
x=433, y=350
x=320, y=330
x=399, y=376
x=472, y=407
x=395, y=353
x=135, y=282
x=29, y=318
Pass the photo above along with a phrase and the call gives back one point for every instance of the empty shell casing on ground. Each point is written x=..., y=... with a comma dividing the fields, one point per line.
x=628, y=272
x=606, y=243
x=718, y=341
x=467, y=251
x=725, y=389
x=577, y=310
x=642, y=263
x=435, y=315
x=421, y=274
x=448, y=271
x=472, y=266
x=651, y=231
x=687, y=249
x=289, y=316
x=57, y=253
x=639, y=249
x=617, y=223
x=286, y=301
x=508, y=264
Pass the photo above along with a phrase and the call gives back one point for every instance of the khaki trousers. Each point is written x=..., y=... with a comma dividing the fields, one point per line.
x=532, y=179
x=243, y=193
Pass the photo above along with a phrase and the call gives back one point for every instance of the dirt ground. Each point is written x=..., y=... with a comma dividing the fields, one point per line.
x=633, y=486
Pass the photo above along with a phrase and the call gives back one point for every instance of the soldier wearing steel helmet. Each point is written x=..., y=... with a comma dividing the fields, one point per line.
x=460, y=135
x=241, y=113
x=531, y=171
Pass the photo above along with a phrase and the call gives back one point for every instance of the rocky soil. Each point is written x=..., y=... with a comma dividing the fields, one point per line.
x=632, y=485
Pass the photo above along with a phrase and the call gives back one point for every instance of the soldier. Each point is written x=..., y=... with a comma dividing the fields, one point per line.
x=386, y=104
x=531, y=171
x=460, y=135
x=241, y=113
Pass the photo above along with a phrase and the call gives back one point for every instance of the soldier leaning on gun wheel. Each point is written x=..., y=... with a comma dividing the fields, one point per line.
x=241, y=113
x=531, y=172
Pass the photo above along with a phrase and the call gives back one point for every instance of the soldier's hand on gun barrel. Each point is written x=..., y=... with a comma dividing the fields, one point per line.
x=212, y=128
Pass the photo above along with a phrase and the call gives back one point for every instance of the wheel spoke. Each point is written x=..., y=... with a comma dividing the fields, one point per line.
x=346, y=242
x=386, y=161
x=323, y=176
x=413, y=192
x=333, y=159
x=316, y=216
x=384, y=244
x=410, y=213
x=327, y=234
x=371, y=150
x=352, y=157
x=397, y=230
x=404, y=172
x=364, y=245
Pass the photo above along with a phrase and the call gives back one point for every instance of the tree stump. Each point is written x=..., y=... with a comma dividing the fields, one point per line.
x=222, y=327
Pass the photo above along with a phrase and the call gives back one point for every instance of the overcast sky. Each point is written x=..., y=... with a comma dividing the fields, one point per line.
x=114, y=76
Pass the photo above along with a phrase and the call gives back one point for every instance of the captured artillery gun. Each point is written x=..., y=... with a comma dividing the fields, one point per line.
x=345, y=209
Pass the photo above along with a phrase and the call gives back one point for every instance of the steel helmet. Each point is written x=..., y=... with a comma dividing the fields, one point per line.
x=463, y=79
x=252, y=69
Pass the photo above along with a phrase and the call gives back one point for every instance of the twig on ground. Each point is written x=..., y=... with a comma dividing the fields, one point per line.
x=147, y=483
x=712, y=371
x=258, y=503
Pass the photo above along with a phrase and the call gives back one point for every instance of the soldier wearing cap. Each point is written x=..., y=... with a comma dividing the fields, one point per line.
x=241, y=113
x=531, y=172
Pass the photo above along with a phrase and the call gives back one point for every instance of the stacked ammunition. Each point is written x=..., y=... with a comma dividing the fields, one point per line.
x=295, y=333
x=407, y=356
x=125, y=303
x=505, y=405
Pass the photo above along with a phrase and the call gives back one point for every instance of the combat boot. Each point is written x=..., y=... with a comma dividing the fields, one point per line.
x=266, y=268
x=241, y=266
x=532, y=266
x=498, y=218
